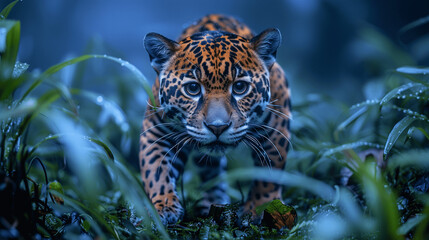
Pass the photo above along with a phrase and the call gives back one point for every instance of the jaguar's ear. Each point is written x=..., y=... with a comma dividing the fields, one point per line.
x=160, y=49
x=266, y=44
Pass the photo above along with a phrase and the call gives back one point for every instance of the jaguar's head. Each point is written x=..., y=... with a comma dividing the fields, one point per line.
x=215, y=85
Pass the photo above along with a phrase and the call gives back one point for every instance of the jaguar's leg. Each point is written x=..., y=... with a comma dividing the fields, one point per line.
x=160, y=168
x=209, y=168
x=269, y=151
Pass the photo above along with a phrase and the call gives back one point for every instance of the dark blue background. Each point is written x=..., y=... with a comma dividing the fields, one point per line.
x=322, y=51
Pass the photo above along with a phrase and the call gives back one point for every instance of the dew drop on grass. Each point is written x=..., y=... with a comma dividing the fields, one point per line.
x=100, y=99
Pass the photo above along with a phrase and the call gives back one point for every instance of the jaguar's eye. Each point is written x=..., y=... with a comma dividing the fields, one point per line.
x=240, y=87
x=192, y=89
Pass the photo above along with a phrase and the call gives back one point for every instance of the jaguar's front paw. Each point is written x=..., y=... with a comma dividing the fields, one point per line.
x=170, y=214
x=248, y=211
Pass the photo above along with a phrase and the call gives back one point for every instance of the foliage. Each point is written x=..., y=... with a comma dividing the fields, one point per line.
x=92, y=193
x=64, y=149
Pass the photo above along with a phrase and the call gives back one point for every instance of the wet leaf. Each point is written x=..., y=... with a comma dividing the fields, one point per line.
x=139, y=75
x=9, y=44
x=278, y=215
x=417, y=23
x=411, y=113
x=419, y=75
x=6, y=10
x=410, y=224
x=276, y=176
x=350, y=120
x=415, y=87
x=56, y=186
x=53, y=70
x=396, y=132
x=86, y=225
x=368, y=102
x=53, y=222
x=109, y=107
x=353, y=145
x=97, y=220
x=19, y=69
x=413, y=70
x=103, y=145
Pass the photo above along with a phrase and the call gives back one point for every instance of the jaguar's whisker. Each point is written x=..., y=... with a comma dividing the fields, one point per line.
x=163, y=137
x=175, y=155
x=271, y=128
x=185, y=138
x=278, y=152
x=275, y=100
x=204, y=155
x=265, y=154
x=250, y=144
x=281, y=113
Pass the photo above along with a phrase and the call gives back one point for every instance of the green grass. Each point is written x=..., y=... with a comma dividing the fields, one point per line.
x=65, y=153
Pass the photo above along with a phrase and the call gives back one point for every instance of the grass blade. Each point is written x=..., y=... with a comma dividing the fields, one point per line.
x=395, y=92
x=51, y=71
x=366, y=103
x=19, y=69
x=414, y=74
x=133, y=191
x=381, y=201
x=84, y=210
x=349, y=121
x=396, y=132
x=139, y=75
x=277, y=176
x=352, y=145
x=417, y=23
x=24, y=108
x=9, y=44
x=102, y=145
x=410, y=224
x=413, y=70
x=109, y=106
x=5, y=12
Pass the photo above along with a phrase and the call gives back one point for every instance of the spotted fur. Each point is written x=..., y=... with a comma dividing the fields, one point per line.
x=216, y=88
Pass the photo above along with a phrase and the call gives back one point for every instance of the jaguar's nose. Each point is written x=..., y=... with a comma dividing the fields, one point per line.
x=217, y=127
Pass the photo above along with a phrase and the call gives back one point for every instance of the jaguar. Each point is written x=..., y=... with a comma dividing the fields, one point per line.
x=217, y=88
